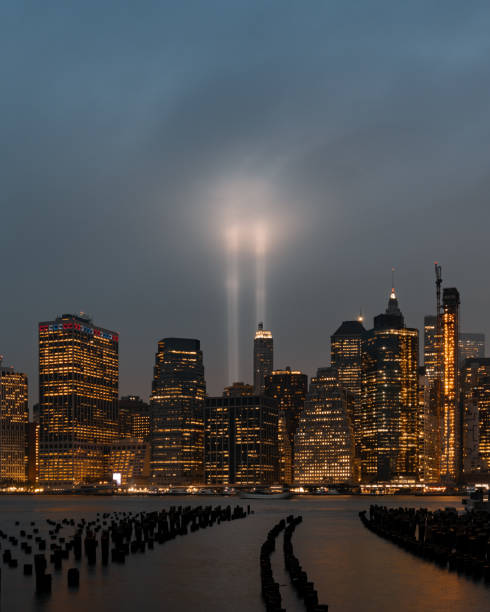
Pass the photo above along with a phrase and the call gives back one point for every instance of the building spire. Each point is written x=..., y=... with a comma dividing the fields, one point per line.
x=393, y=307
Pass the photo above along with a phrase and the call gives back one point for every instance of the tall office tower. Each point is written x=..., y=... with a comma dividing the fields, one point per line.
x=14, y=416
x=346, y=358
x=428, y=433
x=32, y=452
x=238, y=389
x=476, y=415
x=430, y=347
x=241, y=440
x=324, y=445
x=288, y=388
x=471, y=346
x=389, y=399
x=177, y=412
x=134, y=418
x=263, y=358
x=451, y=456
x=78, y=398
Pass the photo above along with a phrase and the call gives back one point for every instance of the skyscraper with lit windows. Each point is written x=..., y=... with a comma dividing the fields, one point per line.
x=431, y=345
x=471, y=346
x=177, y=412
x=14, y=416
x=475, y=377
x=288, y=388
x=346, y=358
x=389, y=399
x=263, y=358
x=241, y=440
x=78, y=398
x=451, y=455
x=324, y=446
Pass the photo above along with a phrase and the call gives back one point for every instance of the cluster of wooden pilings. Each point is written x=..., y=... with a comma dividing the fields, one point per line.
x=116, y=535
x=299, y=579
x=459, y=543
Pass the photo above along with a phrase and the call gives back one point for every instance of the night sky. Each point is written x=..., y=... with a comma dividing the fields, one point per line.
x=133, y=134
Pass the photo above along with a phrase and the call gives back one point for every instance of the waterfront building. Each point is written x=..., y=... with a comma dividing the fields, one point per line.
x=134, y=418
x=476, y=415
x=14, y=417
x=451, y=456
x=346, y=358
x=324, y=445
x=263, y=358
x=78, y=398
x=389, y=399
x=288, y=388
x=241, y=440
x=177, y=412
x=238, y=389
x=428, y=431
x=431, y=347
x=471, y=346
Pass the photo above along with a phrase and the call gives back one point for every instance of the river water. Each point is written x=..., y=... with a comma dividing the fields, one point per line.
x=217, y=569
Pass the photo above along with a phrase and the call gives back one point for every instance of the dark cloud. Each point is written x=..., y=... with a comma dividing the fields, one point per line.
x=126, y=129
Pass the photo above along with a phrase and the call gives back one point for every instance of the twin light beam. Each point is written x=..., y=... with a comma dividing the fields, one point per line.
x=237, y=237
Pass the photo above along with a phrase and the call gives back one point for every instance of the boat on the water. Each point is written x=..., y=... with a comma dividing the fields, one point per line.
x=264, y=494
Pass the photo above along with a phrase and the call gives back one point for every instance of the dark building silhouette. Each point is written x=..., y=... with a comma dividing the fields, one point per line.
x=238, y=389
x=78, y=398
x=241, y=440
x=177, y=412
x=389, y=399
x=263, y=358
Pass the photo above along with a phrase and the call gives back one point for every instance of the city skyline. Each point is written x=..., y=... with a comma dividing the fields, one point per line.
x=364, y=152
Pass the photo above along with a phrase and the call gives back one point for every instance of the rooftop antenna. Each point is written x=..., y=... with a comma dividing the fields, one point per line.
x=393, y=294
x=360, y=318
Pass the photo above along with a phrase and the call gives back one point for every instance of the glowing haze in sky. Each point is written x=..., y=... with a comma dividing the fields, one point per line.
x=336, y=139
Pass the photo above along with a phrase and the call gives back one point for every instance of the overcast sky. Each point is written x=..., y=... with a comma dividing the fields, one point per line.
x=134, y=133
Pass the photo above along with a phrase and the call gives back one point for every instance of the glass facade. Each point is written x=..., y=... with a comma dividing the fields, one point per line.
x=134, y=418
x=428, y=435
x=431, y=344
x=471, y=346
x=241, y=440
x=177, y=413
x=78, y=397
x=14, y=417
x=324, y=445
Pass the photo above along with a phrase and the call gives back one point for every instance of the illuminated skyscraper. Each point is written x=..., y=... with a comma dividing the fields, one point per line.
x=14, y=416
x=241, y=440
x=288, y=388
x=451, y=455
x=389, y=399
x=177, y=412
x=324, y=448
x=471, y=346
x=78, y=393
x=430, y=347
x=263, y=358
x=346, y=358
x=475, y=377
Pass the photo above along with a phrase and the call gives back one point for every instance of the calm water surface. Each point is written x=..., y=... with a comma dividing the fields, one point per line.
x=217, y=569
